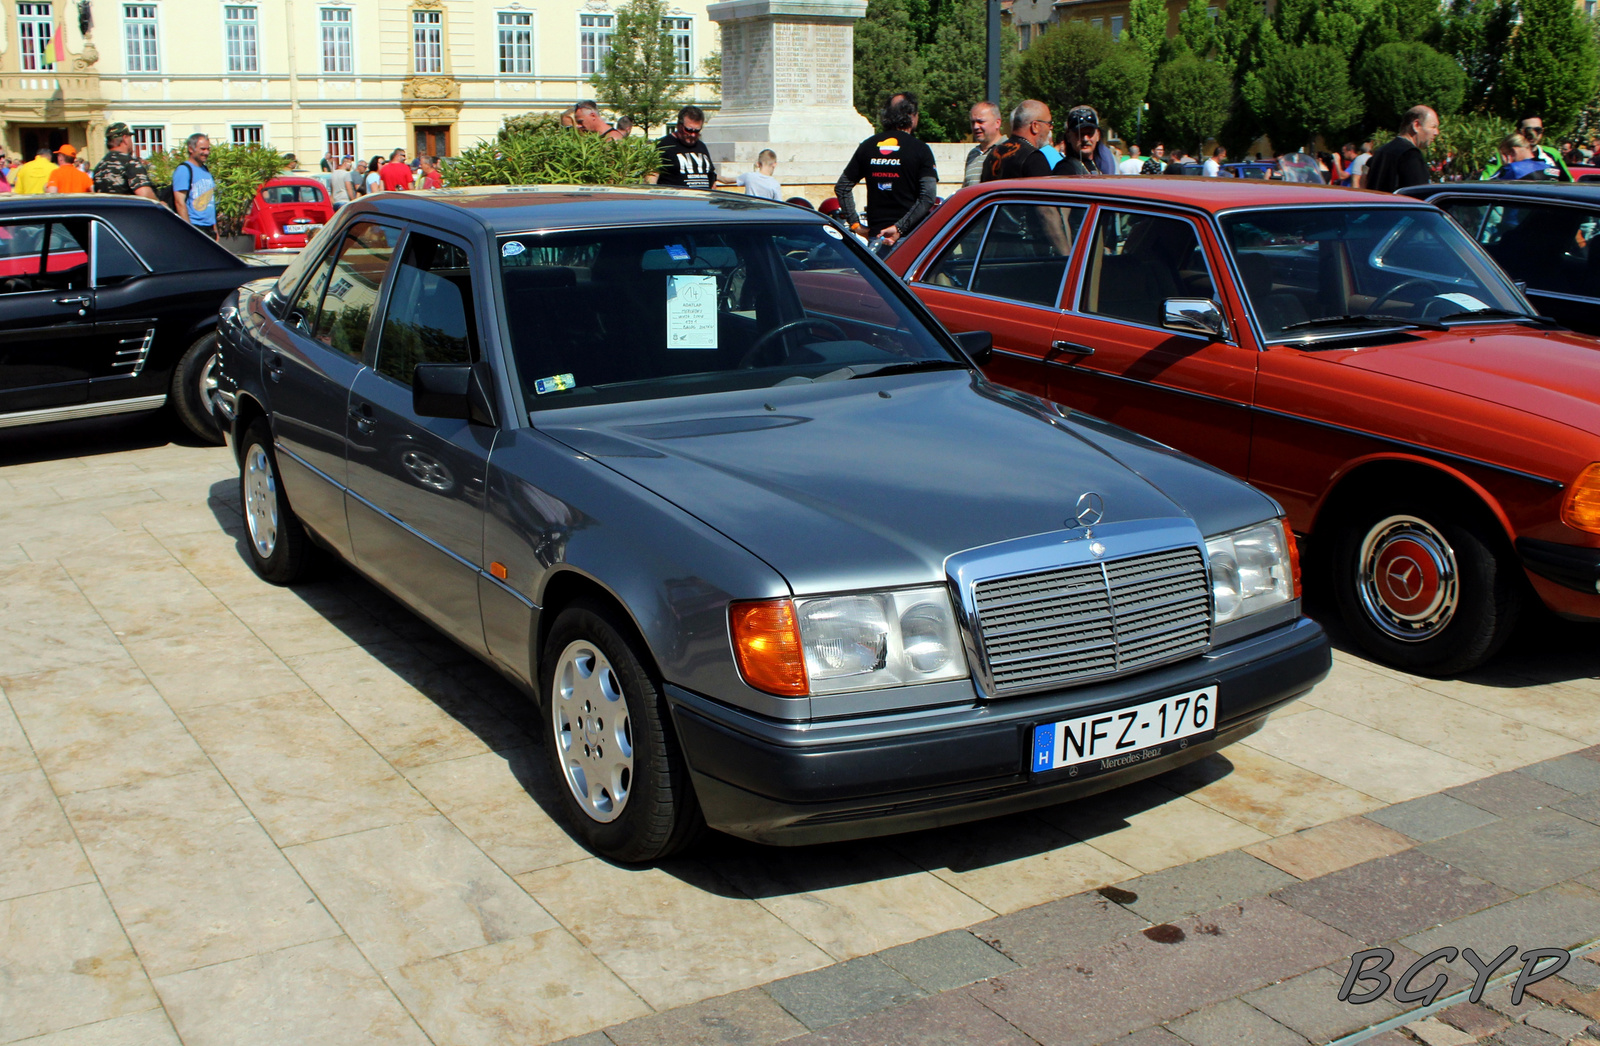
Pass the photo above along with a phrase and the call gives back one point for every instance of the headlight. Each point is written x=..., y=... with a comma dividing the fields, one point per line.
x=833, y=644
x=1252, y=569
x=1580, y=509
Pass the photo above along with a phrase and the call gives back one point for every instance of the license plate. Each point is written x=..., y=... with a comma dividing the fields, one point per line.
x=1122, y=737
x=296, y=228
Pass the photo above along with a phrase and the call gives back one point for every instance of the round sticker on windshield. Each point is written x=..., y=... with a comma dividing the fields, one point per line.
x=831, y=231
x=511, y=248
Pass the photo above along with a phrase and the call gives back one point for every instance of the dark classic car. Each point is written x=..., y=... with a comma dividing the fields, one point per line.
x=1541, y=233
x=108, y=305
x=1352, y=354
x=766, y=547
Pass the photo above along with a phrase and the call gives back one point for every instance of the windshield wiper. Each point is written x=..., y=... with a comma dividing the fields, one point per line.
x=1491, y=314
x=908, y=367
x=1365, y=320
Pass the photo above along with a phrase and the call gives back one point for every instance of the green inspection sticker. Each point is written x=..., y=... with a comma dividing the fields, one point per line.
x=554, y=383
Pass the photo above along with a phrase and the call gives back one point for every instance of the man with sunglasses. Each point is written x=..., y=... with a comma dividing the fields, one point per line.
x=1086, y=153
x=685, y=160
x=1532, y=128
x=1021, y=155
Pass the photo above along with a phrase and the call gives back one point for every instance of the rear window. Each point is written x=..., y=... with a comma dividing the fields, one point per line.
x=292, y=194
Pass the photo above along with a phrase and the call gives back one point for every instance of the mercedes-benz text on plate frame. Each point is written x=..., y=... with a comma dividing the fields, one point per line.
x=1094, y=744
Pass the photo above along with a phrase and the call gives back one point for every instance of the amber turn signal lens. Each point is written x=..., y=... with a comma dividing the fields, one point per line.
x=1293, y=548
x=766, y=643
x=1580, y=510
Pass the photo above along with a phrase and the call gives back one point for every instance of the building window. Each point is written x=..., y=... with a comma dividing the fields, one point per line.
x=594, y=41
x=34, y=30
x=239, y=32
x=1212, y=12
x=247, y=134
x=1588, y=7
x=427, y=41
x=342, y=140
x=147, y=141
x=338, y=52
x=1098, y=23
x=1116, y=27
x=139, y=33
x=682, y=43
x=516, y=41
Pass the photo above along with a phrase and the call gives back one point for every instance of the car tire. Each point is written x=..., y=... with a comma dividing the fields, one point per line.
x=1421, y=587
x=279, y=548
x=193, y=384
x=622, y=780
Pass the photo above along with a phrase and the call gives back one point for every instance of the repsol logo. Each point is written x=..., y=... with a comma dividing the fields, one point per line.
x=890, y=161
x=1405, y=990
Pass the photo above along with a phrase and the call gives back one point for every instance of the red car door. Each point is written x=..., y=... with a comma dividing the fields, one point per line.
x=1120, y=363
x=1003, y=272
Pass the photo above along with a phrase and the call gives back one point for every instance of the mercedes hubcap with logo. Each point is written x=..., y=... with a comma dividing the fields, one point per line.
x=1408, y=581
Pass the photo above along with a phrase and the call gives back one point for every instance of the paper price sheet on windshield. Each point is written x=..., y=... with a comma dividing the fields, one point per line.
x=691, y=312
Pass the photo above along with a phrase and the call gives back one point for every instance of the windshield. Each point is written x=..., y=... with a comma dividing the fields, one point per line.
x=601, y=317
x=1313, y=271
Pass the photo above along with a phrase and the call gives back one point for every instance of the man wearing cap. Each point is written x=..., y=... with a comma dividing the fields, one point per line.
x=32, y=176
x=1086, y=153
x=120, y=172
x=66, y=178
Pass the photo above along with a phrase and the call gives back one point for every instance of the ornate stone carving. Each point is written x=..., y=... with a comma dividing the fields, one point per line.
x=437, y=5
x=87, y=58
x=430, y=88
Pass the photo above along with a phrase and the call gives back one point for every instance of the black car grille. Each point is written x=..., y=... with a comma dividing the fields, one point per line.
x=1100, y=619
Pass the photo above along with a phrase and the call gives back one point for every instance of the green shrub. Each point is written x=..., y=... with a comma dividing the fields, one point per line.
x=1056, y=68
x=1470, y=142
x=1117, y=87
x=1301, y=92
x=1552, y=69
x=239, y=171
x=537, y=150
x=1399, y=76
x=1190, y=99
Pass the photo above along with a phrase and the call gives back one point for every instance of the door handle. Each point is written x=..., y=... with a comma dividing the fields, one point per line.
x=1068, y=348
x=82, y=302
x=274, y=366
x=363, y=418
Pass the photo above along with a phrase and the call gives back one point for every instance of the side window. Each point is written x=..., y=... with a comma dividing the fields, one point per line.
x=21, y=256
x=430, y=316
x=1469, y=216
x=302, y=317
x=1138, y=261
x=955, y=264
x=1026, y=253
x=352, y=291
x=66, y=262
x=113, y=263
x=1550, y=248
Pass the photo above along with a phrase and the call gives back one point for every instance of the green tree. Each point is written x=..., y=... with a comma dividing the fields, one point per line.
x=638, y=77
x=1397, y=76
x=1146, y=27
x=1301, y=92
x=1552, y=68
x=239, y=170
x=1236, y=36
x=1477, y=34
x=1117, y=87
x=1190, y=100
x=887, y=59
x=1468, y=143
x=955, y=65
x=1056, y=68
x=536, y=150
x=1196, y=30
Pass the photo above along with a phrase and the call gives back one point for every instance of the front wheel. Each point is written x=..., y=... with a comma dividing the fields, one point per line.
x=623, y=783
x=194, y=389
x=1422, y=589
x=279, y=548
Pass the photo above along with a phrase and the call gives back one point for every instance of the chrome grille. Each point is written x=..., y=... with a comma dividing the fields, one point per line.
x=1078, y=623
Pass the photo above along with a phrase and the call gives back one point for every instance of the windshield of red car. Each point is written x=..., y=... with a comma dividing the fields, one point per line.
x=1309, y=271
x=653, y=312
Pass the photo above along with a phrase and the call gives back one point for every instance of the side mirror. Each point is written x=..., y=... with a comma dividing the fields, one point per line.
x=1194, y=316
x=977, y=344
x=453, y=390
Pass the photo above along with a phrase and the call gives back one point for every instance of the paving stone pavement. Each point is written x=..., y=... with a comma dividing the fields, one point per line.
x=234, y=813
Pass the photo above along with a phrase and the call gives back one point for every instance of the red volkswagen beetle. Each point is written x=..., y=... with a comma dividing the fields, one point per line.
x=1355, y=355
x=287, y=212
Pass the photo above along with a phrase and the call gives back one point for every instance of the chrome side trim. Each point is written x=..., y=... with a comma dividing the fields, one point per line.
x=81, y=410
x=134, y=352
x=425, y=539
x=279, y=448
x=524, y=600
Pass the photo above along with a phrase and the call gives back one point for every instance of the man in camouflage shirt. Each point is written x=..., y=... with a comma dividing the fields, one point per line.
x=120, y=172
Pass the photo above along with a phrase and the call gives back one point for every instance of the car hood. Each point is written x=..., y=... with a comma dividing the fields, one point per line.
x=1550, y=374
x=875, y=481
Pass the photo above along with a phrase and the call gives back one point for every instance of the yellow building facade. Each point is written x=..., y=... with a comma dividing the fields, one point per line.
x=307, y=76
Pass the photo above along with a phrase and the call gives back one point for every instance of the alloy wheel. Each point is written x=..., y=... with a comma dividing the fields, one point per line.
x=592, y=731
x=260, y=501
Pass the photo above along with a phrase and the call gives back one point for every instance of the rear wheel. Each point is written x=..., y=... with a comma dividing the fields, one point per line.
x=1421, y=586
x=280, y=549
x=194, y=389
x=622, y=780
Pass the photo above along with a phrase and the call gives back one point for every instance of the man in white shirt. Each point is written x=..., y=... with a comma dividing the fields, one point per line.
x=1133, y=163
x=1212, y=168
x=1355, y=163
x=339, y=180
x=986, y=133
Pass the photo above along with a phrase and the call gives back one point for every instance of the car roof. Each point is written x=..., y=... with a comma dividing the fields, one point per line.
x=162, y=239
x=1208, y=194
x=521, y=208
x=1568, y=192
x=93, y=203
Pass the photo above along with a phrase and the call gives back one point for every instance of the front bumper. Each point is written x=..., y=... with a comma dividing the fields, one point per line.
x=803, y=783
x=1566, y=577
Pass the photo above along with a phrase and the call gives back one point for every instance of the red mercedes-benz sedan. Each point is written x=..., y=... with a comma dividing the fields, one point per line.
x=1354, y=355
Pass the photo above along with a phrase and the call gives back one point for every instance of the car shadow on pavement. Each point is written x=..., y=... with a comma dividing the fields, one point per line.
x=62, y=440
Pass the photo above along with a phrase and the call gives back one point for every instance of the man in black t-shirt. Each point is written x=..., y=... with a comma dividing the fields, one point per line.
x=1398, y=163
x=902, y=182
x=1019, y=156
x=685, y=161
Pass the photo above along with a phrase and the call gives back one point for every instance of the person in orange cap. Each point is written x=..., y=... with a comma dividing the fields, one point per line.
x=66, y=177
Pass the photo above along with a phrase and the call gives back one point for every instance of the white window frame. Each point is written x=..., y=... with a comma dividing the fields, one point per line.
x=35, y=32
x=427, y=41
x=682, y=30
x=149, y=140
x=1116, y=27
x=329, y=139
x=514, y=57
x=338, y=55
x=258, y=138
x=141, y=38
x=594, y=41
x=1097, y=23
x=241, y=39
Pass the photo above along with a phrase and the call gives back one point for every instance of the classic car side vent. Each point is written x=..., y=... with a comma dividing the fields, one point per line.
x=129, y=359
x=1078, y=623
